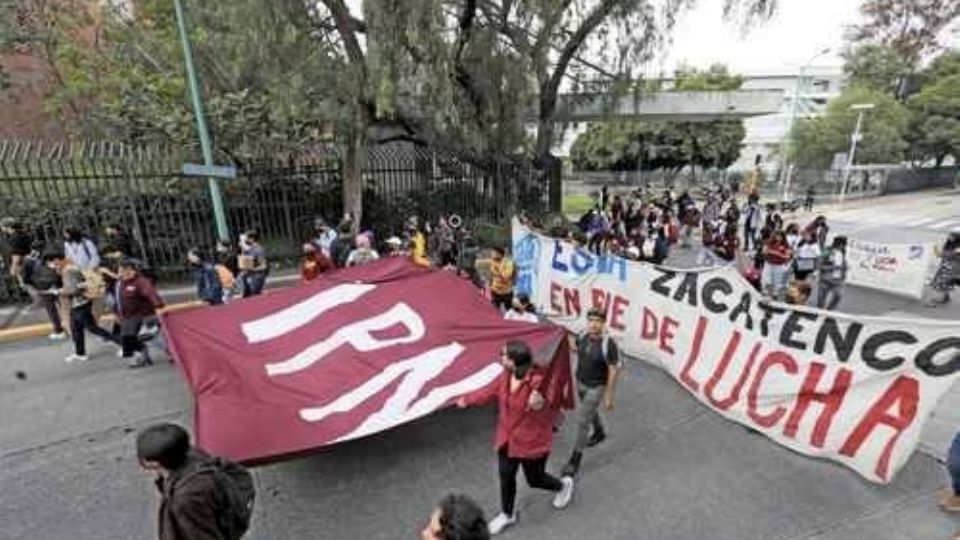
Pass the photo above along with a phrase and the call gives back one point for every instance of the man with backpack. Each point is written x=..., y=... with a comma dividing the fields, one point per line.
x=76, y=293
x=598, y=366
x=202, y=497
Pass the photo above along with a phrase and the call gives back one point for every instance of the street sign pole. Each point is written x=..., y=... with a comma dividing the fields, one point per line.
x=215, y=195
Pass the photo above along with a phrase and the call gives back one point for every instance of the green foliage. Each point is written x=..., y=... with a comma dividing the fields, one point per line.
x=935, y=123
x=876, y=66
x=714, y=78
x=659, y=145
x=815, y=141
x=911, y=28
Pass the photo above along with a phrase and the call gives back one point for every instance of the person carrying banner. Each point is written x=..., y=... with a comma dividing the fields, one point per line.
x=945, y=278
x=776, y=265
x=527, y=408
x=137, y=300
x=833, y=274
x=522, y=310
x=598, y=365
x=457, y=517
x=74, y=292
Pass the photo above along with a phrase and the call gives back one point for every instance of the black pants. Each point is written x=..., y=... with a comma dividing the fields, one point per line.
x=128, y=331
x=503, y=301
x=52, y=307
x=749, y=238
x=81, y=319
x=534, y=469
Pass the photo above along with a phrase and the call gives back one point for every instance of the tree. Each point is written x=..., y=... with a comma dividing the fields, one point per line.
x=910, y=27
x=935, y=123
x=715, y=78
x=876, y=66
x=815, y=141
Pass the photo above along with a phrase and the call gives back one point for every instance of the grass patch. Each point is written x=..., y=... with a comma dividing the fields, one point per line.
x=577, y=204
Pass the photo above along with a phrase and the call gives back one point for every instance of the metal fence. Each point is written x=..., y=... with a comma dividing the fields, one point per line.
x=48, y=186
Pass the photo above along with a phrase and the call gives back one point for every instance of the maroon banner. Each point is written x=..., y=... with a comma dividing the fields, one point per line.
x=357, y=352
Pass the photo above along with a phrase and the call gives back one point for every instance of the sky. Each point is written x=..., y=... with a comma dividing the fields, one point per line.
x=796, y=33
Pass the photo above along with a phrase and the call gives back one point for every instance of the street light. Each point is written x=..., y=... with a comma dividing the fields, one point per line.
x=854, y=141
x=788, y=136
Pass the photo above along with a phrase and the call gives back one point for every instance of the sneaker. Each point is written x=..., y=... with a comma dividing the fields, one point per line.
x=57, y=336
x=948, y=501
x=71, y=358
x=598, y=437
x=138, y=361
x=120, y=352
x=563, y=497
x=500, y=523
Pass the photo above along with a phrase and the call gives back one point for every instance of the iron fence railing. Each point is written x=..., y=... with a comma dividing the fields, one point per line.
x=48, y=186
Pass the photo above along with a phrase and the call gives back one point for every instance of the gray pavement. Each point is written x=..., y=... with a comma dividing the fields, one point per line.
x=671, y=470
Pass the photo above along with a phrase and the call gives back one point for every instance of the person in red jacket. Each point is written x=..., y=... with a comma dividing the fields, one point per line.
x=136, y=300
x=526, y=413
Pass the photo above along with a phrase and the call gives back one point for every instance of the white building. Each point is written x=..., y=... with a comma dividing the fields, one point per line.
x=765, y=134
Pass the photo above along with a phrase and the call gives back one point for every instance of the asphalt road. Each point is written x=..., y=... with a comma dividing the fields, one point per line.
x=672, y=469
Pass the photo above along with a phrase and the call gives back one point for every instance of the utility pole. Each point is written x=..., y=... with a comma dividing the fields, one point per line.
x=215, y=195
x=854, y=141
x=788, y=136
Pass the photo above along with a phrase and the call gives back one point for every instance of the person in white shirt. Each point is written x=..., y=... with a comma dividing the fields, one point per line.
x=80, y=250
x=522, y=310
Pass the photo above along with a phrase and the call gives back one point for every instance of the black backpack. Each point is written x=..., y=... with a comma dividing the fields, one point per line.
x=235, y=495
x=44, y=278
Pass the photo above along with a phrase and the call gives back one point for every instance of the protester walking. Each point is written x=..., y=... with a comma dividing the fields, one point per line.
x=524, y=435
x=314, y=263
x=363, y=253
x=253, y=264
x=945, y=279
x=808, y=201
x=808, y=254
x=522, y=310
x=833, y=274
x=457, y=517
x=47, y=282
x=209, y=288
x=598, y=366
x=137, y=300
x=753, y=220
x=201, y=497
x=20, y=244
x=80, y=249
x=503, y=274
x=776, y=265
x=75, y=294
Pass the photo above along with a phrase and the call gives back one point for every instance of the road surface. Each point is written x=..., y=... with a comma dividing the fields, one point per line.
x=672, y=469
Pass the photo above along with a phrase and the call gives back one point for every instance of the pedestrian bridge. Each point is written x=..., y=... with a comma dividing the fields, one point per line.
x=676, y=106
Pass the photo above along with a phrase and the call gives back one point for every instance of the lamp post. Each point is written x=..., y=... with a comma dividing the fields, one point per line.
x=854, y=141
x=218, y=212
x=788, y=136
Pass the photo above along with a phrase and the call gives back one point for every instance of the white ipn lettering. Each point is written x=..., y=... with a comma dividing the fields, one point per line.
x=358, y=335
x=401, y=407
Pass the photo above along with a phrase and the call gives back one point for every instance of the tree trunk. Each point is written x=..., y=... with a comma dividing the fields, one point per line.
x=353, y=170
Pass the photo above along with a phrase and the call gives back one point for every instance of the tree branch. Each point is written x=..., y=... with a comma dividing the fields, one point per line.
x=347, y=26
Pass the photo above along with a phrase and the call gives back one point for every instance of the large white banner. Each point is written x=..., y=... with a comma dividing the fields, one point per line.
x=853, y=389
x=896, y=268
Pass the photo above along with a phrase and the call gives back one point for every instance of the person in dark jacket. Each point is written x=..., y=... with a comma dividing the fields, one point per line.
x=188, y=506
x=208, y=283
x=457, y=517
x=137, y=299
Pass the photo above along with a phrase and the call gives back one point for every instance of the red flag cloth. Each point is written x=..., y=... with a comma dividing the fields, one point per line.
x=355, y=352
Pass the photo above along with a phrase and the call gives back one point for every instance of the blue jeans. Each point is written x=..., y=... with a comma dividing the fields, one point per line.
x=953, y=463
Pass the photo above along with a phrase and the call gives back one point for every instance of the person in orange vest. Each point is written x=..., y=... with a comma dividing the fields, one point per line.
x=503, y=274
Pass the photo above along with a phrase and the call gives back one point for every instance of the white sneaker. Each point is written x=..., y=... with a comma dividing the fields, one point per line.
x=120, y=352
x=57, y=336
x=76, y=358
x=500, y=523
x=563, y=497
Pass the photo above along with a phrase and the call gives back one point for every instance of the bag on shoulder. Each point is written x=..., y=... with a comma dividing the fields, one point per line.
x=96, y=287
x=235, y=497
